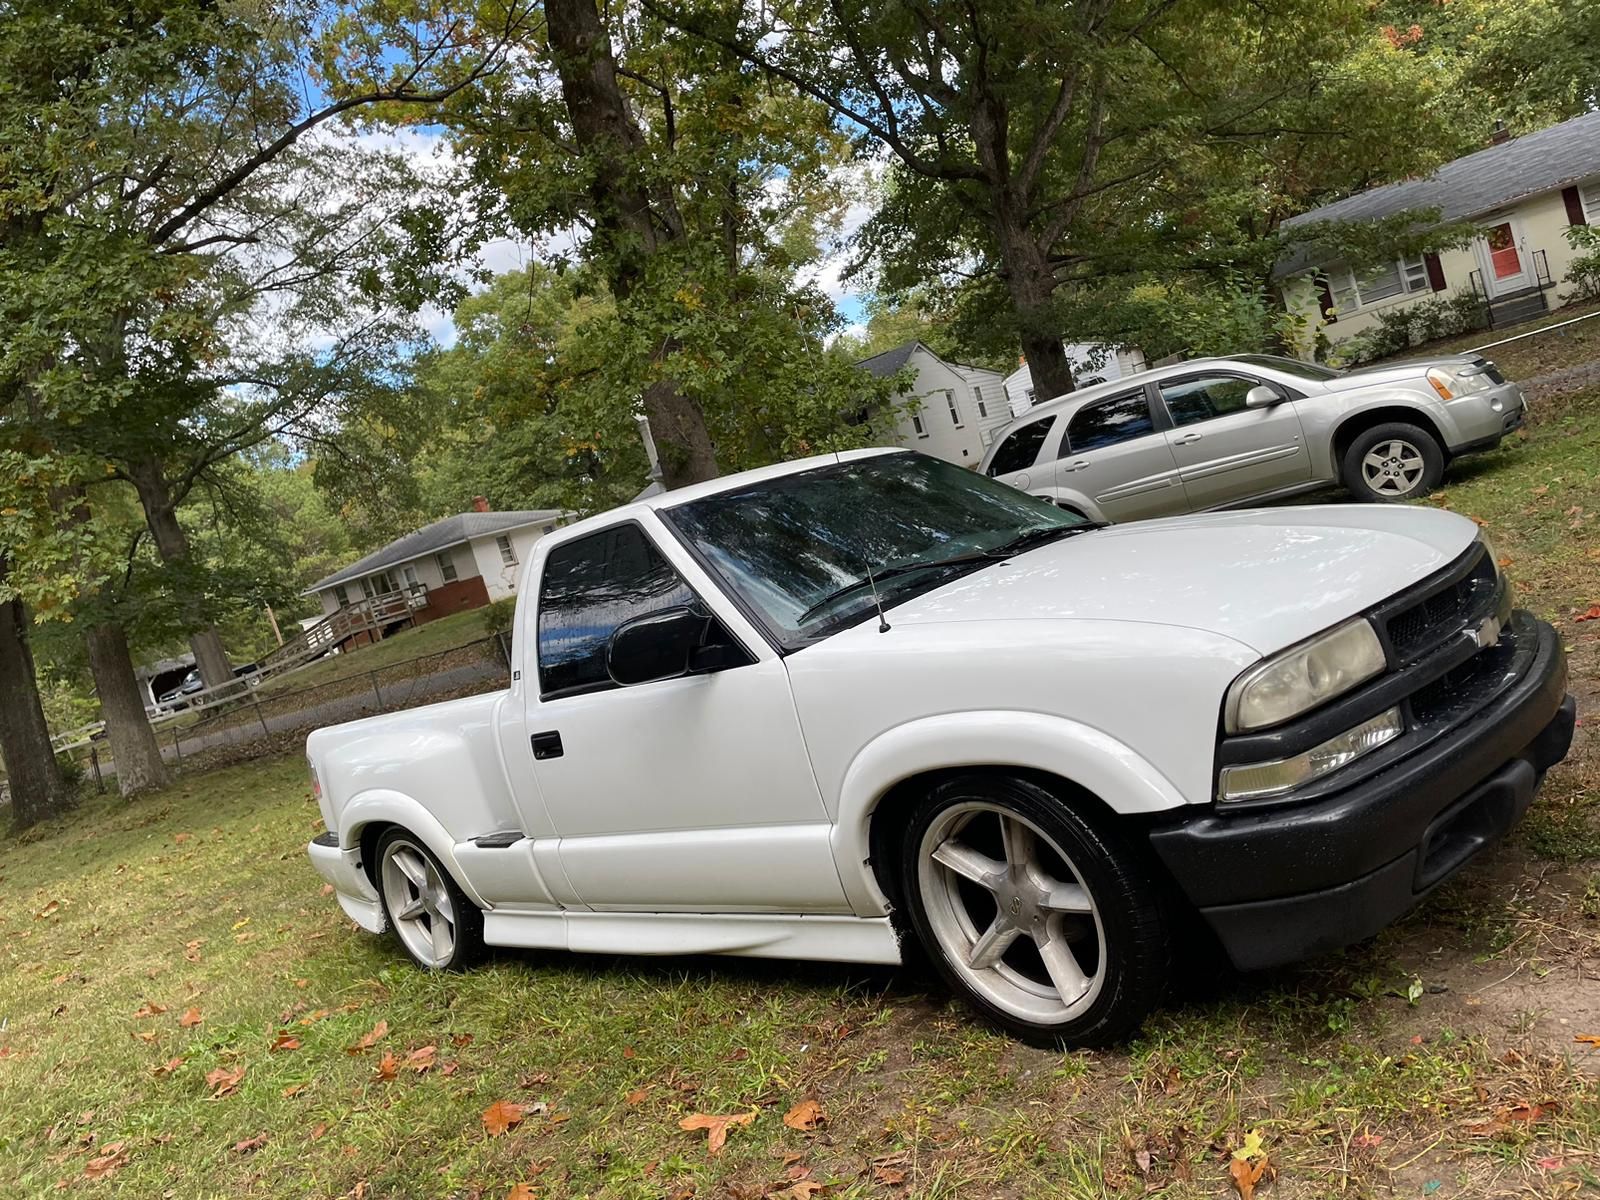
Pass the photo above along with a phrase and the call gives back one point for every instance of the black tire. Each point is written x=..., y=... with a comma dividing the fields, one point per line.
x=1397, y=434
x=467, y=930
x=1125, y=937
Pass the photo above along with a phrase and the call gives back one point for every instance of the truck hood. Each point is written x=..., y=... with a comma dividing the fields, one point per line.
x=1267, y=578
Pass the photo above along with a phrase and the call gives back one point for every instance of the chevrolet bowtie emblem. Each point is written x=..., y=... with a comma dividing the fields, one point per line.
x=1487, y=633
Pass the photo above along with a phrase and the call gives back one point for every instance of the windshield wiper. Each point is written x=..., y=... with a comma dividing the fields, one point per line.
x=876, y=577
x=1038, y=536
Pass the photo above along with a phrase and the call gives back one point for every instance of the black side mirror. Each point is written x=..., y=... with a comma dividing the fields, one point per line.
x=667, y=644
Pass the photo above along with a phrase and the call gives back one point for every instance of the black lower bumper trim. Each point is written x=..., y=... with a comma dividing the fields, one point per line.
x=1286, y=884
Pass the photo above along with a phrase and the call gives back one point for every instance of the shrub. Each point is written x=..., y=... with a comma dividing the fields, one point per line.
x=497, y=617
x=1403, y=326
x=1584, y=270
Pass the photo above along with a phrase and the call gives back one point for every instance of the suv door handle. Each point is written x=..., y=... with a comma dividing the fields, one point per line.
x=547, y=744
x=1187, y=439
x=1076, y=465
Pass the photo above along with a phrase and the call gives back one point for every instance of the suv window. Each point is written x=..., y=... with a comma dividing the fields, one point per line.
x=1109, y=422
x=1020, y=449
x=1202, y=397
x=590, y=586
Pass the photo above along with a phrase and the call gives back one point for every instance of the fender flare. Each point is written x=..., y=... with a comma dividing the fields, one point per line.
x=387, y=807
x=1088, y=757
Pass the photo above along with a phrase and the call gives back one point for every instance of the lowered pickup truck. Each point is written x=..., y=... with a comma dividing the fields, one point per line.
x=819, y=709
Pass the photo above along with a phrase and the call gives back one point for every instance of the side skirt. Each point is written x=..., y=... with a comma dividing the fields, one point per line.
x=751, y=935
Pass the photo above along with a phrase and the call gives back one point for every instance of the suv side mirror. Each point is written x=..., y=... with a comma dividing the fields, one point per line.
x=1263, y=395
x=667, y=644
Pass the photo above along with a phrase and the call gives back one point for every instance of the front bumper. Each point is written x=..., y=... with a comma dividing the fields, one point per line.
x=1483, y=418
x=1282, y=884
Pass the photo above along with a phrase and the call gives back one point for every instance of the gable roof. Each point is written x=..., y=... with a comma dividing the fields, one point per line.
x=430, y=539
x=1469, y=187
x=886, y=363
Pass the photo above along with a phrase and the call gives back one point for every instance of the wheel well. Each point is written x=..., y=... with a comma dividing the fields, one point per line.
x=1354, y=427
x=888, y=817
x=369, y=847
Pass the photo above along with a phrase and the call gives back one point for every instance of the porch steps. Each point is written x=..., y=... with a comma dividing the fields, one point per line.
x=1519, y=306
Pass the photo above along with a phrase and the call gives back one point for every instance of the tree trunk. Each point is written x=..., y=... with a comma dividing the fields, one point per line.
x=37, y=789
x=133, y=741
x=172, y=544
x=633, y=220
x=1031, y=283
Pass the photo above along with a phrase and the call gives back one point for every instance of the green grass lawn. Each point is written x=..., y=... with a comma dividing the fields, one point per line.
x=1440, y=1061
x=436, y=637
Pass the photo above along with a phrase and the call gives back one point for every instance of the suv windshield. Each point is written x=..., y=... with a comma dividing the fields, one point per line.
x=797, y=548
x=1289, y=366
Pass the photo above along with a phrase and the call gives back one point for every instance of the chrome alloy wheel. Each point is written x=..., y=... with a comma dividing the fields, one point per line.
x=1393, y=468
x=419, y=903
x=1011, y=913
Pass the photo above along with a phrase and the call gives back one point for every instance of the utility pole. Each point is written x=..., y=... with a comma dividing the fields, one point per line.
x=272, y=617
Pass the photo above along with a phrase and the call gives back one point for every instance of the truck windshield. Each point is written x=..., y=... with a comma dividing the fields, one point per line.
x=797, y=548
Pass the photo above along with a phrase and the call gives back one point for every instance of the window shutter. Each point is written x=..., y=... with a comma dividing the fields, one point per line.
x=1574, y=203
x=1325, y=300
x=1435, y=271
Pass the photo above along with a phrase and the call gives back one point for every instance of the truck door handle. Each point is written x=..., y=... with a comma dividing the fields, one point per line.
x=547, y=744
x=1076, y=465
x=1187, y=439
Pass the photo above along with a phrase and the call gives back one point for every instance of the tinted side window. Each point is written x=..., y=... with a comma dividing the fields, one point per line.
x=1107, y=422
x=1020, y=450
x=590, y=586
x=1204, y=397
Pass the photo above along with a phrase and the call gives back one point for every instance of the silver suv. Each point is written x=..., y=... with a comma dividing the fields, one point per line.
x=1215, y=432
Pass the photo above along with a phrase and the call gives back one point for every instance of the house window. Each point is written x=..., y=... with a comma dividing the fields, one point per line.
x=977, y=398
x=916, y=424
x=409, y=573
x=342, y=596
x=447, y=566
x=1591, y=202
x=508, y=556
x=1384, y=282
x=955, y=409
x=1032, y=398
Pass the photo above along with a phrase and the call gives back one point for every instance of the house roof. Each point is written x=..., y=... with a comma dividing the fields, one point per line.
x=1471, y=186
x=882, y=365
x=451, y=531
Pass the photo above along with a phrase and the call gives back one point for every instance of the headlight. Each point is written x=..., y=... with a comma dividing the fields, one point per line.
x=1300, y=679
x=1260, y=781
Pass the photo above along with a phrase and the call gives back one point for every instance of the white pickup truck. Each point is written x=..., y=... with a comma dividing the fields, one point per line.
x=847, y=707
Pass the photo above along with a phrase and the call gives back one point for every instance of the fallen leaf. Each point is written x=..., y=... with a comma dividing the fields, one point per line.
x=387, y=1065
x=459, y=1040
x=191, y=950
x=1588, y=1039
x=327, y=889
x=1252, y=1147
x=369, y=1039
x=180, y=838
x=422, y=1059
x=48, y=910
x=294, y=1089
x=805, y=1116
x=191, y=1017
x=1246, y=1176
x=113, y=1158
x=318, y=1130
x=223, y=1082
x=166, y=1068
x=803, y=1190
x=1551, y=1164
x=888, y=1176
x=638, y=1096
x=251, y=1145
x=716, y=1127
x=627, y=1052
x=522, y=1191
x=150, y=1010
x=285, y=1041
x=503, y=1116
x=1366, y=1140
x=145, y=1035
x=1593, y=614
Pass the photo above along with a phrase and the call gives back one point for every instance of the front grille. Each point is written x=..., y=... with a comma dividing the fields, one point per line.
x=1444, y=613
x=1462, y=691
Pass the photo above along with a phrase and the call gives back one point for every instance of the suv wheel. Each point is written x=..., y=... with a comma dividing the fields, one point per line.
x=1047, y=926
x=1393, y=462
x=433, y=920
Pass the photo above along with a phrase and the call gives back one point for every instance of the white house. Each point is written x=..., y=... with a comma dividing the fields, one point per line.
x=1092, y=362
x=956, y=411
x=1522, y=193
x=461, y=562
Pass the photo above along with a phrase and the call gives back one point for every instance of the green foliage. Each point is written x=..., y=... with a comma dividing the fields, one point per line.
x=1403, y=326
x=499, y=615
x=1584, y=269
